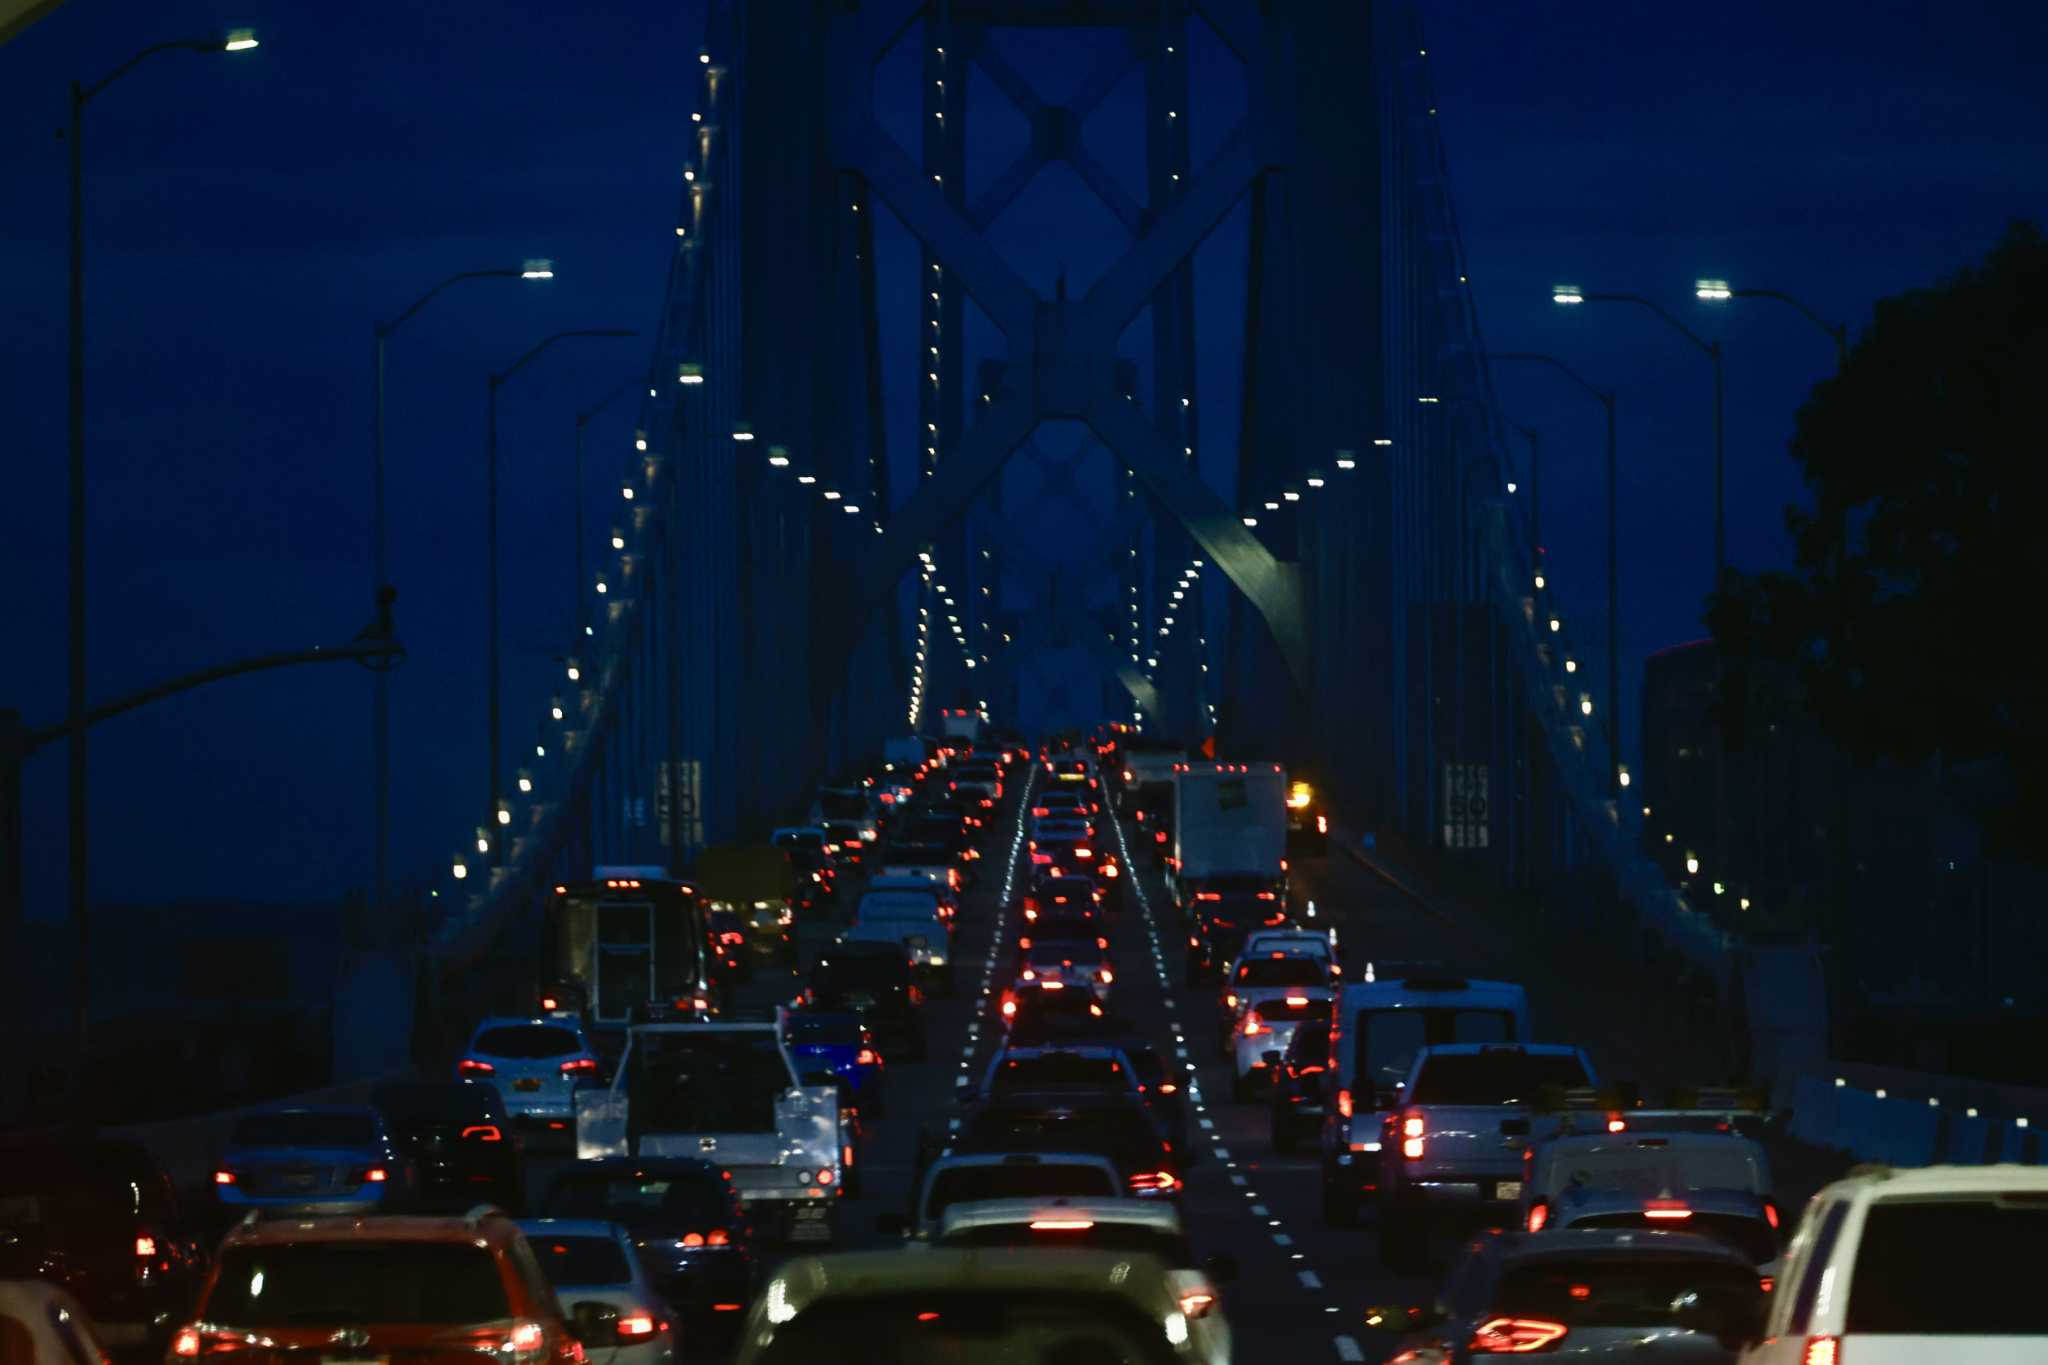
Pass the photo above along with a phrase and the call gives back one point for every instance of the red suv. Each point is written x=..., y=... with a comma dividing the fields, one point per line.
x=330, y=1290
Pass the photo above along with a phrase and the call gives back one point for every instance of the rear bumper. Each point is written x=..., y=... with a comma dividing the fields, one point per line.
x=1477, y=1192
x=308, y=1204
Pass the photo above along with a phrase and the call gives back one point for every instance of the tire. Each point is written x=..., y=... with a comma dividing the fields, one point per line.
x=1404, y=1242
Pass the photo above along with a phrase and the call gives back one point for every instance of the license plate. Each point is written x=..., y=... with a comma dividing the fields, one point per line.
x=1508, y=1189
x=525, y=1085
x=355, y=1360
x=301, y=1180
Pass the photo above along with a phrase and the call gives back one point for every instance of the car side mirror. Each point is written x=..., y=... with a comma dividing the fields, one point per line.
x=892, y=1225
x=593, y=1323
x=1220, y=1268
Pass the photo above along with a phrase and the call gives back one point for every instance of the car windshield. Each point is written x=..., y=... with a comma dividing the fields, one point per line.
x=1017, y=1180
x=638, y=1199
x=362, y=1280
x=826, y=1030
x=526, y=1042
x=1648, y=1170
x=304, y=1128
x=1639, y=1290
x=709, y=1081
x=1058, y=1228
x=988, y=1327
x=1949, y=1267
x=1077, y=952
x=1283, y=971
x=578, y=1260
x=1059, y=1071
x=1487, y=1078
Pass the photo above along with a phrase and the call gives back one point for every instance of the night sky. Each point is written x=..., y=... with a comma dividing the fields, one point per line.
x=250, y=216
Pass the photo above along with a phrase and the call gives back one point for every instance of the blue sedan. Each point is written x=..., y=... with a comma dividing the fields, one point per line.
x=328, y=1159
x=837, y=1043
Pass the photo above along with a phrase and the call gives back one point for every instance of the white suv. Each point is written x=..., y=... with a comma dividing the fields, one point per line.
x=1902, y=1267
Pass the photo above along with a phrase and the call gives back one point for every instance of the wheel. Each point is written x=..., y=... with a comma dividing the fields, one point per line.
x=1340, y=1206
x=1404, y=1242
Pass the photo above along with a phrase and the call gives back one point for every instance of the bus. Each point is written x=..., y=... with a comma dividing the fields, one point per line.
x=627, y=938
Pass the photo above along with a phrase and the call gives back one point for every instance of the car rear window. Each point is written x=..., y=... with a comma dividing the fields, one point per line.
x=1289, y=1009
x=710, y=1082
x=580, y=1260
x=1059, y=1071
x=1752, y=1237
x=304, y=1130
x=1283, y=971
x=639, y=1200
x=1618, y=1291
x=1496, y=1077
x=1650, y=1171
x=1950, y=1267
x=946, y=1326
x=526, y=1042
x=1017, y=1180
x=363, y=1280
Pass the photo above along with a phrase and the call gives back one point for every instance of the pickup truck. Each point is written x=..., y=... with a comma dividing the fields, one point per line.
x=1452, y=1145
x=726, y=1091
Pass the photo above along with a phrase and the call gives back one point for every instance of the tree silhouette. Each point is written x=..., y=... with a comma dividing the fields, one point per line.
x=1915, y=617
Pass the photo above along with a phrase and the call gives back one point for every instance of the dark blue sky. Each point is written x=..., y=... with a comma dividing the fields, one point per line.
x=249, y=217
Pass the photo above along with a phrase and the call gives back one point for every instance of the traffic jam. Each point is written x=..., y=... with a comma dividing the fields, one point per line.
x=1052, y=1051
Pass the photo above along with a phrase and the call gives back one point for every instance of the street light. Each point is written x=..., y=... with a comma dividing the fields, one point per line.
x=578, y=623
x=75, y=724
x=1717, y=291
x=1571, y=294
x=380, y=685
x=1605, y=398
x=497, y=381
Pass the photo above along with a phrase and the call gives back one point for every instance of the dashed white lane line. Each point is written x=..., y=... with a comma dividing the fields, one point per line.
x=1309, y=1279
x=1281, y=1239
x=1259, y=1211
x=1237, y=1180
x=1349, y=1349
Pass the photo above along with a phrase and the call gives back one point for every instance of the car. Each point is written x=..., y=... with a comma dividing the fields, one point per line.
x=1646, y=1296
x=874, y=981
x=844, y=810
x=1119, y=1127
x=1069, y=963
x=42, y=1324
x=1038, y=1008
x=1075, y=895
x=1714, y=1185
x=948, y=897
x=460, y=1141
x=999, y=1305
x=103, y=1224
x=849, y=841
x=535, y=1065
x=430, y=1291
x=1218, y=924
x=312, y=1159
x=1080, y=1068
x=1072, y=771
x=1891, y=1266
x=1298, y=1097
x=1127, y=1225
x=913, y=922
x=935, y=863
x=599, y=1277
x=686, y=1223
x=1308, y=821
x=726, y=934
x=839, y=1043
x=947, y=1178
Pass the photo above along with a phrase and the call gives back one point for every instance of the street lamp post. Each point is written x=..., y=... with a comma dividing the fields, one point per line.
x=76, y=720
x=1604, y=397
x=497, y=381
x=380, y=686
x=1715, y=291
x=583, y=420
x=1572, y=294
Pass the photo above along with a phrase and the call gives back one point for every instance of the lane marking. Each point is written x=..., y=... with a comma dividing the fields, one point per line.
x=1236, y=1179
x=1281, y=1239
x=1259, y=1210
x=1309, y=1279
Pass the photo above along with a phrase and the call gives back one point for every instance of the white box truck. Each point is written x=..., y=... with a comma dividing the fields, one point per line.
x=1229, y=819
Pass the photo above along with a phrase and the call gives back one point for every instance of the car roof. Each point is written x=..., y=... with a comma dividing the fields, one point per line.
x=1434, y=990
x=1159, y=1215
x=1889, y=1182
x=1138, y=1279
x=1477, y=1049
x=486, y=1224
x=521, y=1020
x=570, y=1227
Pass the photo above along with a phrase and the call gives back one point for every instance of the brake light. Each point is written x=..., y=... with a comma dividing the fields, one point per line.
x=526, y=1337
x=1322, y=824
x=824, y=1177
x=580, y=1066
x=1154, y=1182
x=1052, y=985
x=1616, y=1124
x=1196, y=1304
x=1158, y=836
x=1344, y=1104
x=1030, y=975
x=1252, y=1027
x=635, y=1326
x=1230, y=1002
x=1297, y=1001
x=1009, y=1008
x=145, y=1247
x=1268, y=896
x=1822, y=1351
x=867, y=1056
x=1084, y=853
x=1169, y=1088
x=483, y=1132
x=376, y=1175
x=1539, y=1214
x=1515, y=1336
x=1666, y=1209
x=1109, y=869
x=1767, y=1283
x=548, y=1002
x=470, y=1066
x=1771, y=1212
x=1208, y=895
x=1061, y=1224
x=186, y=1343
x=1412, y=1128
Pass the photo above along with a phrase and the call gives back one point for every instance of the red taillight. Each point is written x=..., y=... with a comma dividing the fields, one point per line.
x=1539, y=1214
x=1667, y=1209
x=470, y=1066
x=1515, y=1336
x=1252, y=1027
x=867, y=1056
x=1208, y=895
x=1009, y=1008
x=526, y=1337
x=376, y=1175
x=1158, y=836
x=145, y=1247
x=1344, y=1104
x=186, y=1343
x=1062, y=1224
x=1297, y=1001
x=1412, y=1129
x=1196, y=1304
x=580, y=1066
x=1084, y=853
x=1230, y=1002
x=1822, y=1351
x=548, y=1002
x=1105, y=976
x=223, y=1177
x=1052, y=985
x=1322, y=824
x=693, y=1239
x=1767, y=1283
x=1771, y=1212
x=484, y=1132
x=1030, y=975
x=1268, y=896
x=1154, y=1182
x=1616, y=1124
x=727, y=1307
x=635, y=1327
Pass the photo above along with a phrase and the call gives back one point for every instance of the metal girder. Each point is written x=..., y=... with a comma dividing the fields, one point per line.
x=1043, y=627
